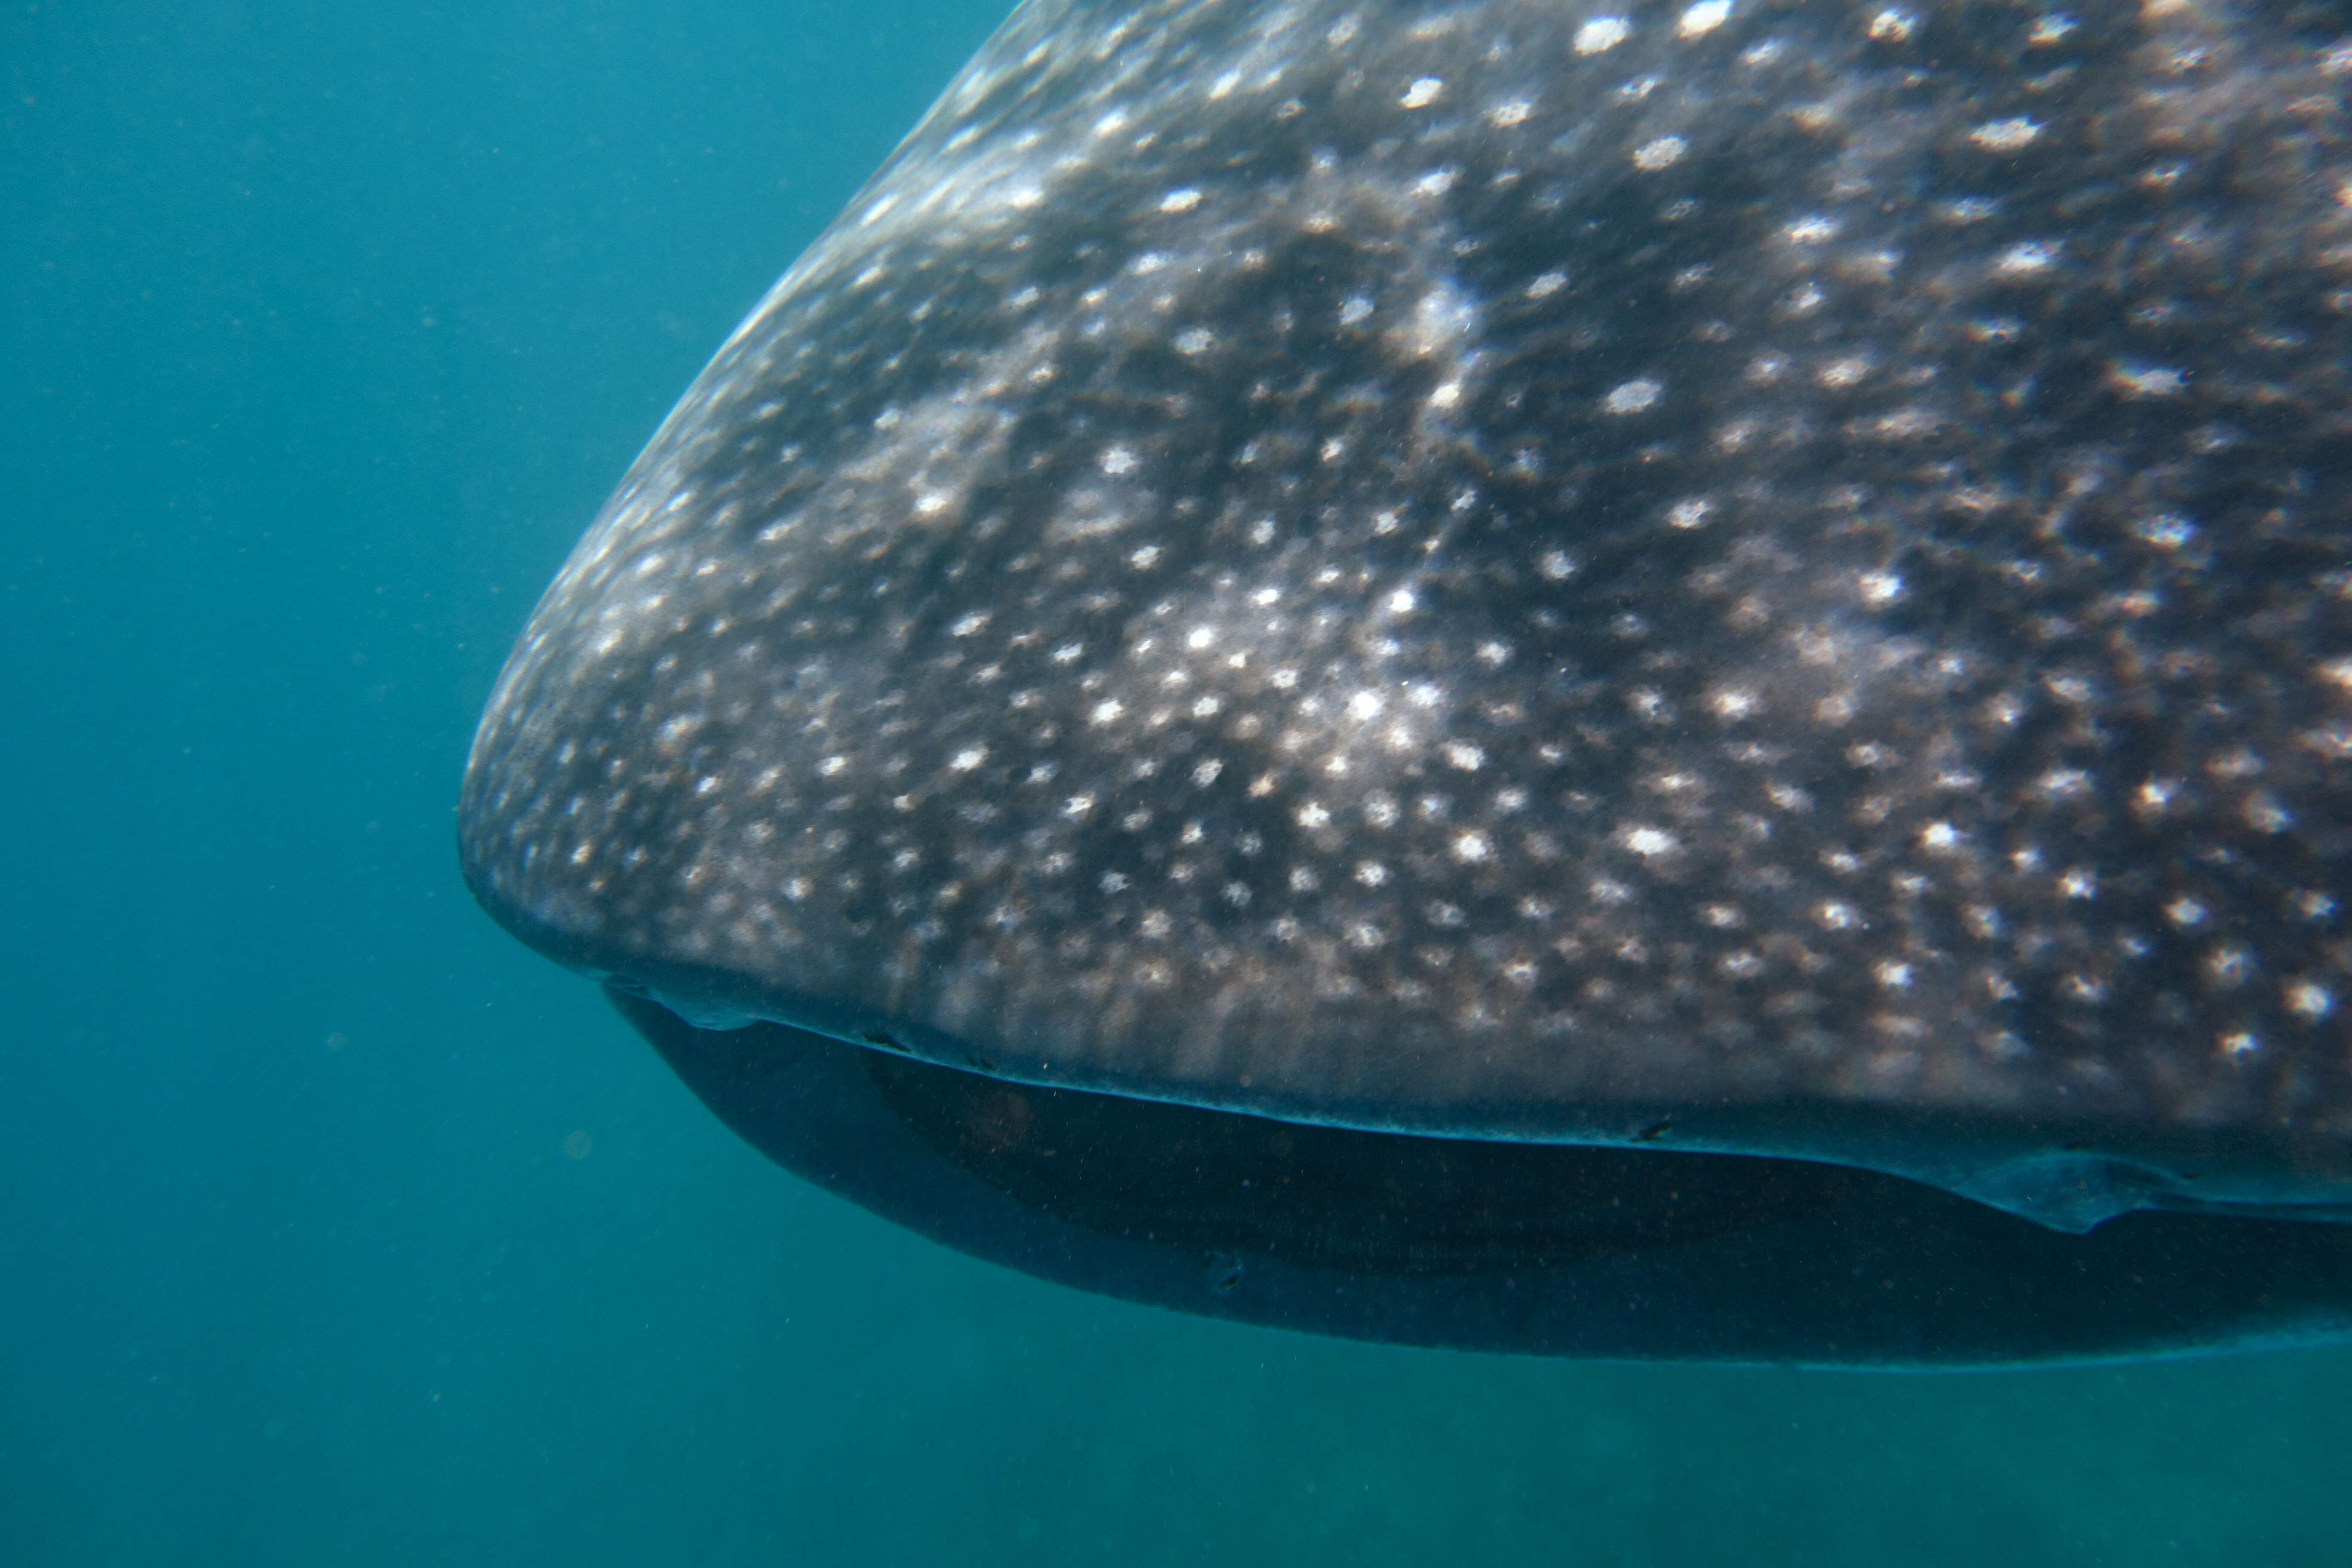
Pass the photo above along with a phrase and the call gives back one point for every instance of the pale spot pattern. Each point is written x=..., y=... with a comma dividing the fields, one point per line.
x=1326, y=512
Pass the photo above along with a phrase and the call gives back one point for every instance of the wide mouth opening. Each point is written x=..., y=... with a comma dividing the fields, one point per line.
x=1219, y=1181
x=1526, y=1247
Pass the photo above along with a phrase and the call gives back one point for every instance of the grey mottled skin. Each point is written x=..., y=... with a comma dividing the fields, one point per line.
x=1773, y=576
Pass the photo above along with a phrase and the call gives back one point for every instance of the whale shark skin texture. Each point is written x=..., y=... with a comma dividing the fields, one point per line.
x=1764, y=578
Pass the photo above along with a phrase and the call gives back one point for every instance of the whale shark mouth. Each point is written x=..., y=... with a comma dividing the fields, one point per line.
x=1469, y=1244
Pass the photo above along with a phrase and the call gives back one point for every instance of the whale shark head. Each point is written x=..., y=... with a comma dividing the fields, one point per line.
x=1746, y=578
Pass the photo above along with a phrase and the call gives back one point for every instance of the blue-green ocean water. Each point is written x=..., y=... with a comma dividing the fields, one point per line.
x=323, y=330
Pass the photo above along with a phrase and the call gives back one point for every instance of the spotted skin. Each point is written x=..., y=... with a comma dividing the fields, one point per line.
x=1773, y=575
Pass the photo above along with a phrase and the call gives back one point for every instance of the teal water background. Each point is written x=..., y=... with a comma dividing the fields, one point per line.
x=335, y=1227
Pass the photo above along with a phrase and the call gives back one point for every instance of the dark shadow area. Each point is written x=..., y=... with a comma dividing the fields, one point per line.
x=1532, y=1248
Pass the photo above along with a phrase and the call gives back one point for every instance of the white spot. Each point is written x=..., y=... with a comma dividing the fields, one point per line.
x=1206, y=773
x=969, y=758
x=1892, y=26
x=1463, y=755
x=1077, y=805
x=1504, y=115
x=1195, y=341
x=2027, y=261
x=1365, y=705
x=1557, y=566
x=1400, y=602
x=2005, y=135
x=1422, y=93
x=1652, y=156
x=1892, y=975
x=1114, y=881
x=1118, y=459
x=968, y=623
x=1651, y=842
x=1601, y=35
x=1941, y=838
x=2241, y=1043
x=1837, y=917
x=1632, y=396
x=1313, y=815
x=1106, y=710
x=1180, y=201
x=1732, y=702
x=2263, y=814
x=1810, y=230
x=2148, y=380
x=1688, y=514
x=1546, y=284
x=1371, y=873
x=2228, y=964
x=1879, y=588
x=1703, y=18
x=1355, y=309
x=1472, y=848
x=2064, y=783
x=1843, y=372
x=2310, y=1001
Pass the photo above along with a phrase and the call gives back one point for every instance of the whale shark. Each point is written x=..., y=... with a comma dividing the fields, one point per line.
x=1656, y=681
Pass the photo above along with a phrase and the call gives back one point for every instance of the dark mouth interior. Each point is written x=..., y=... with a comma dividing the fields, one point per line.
x=1523, y=1247
x=1383, y=1201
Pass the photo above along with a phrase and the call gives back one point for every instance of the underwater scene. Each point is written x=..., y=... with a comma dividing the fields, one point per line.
x=1151, y=780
